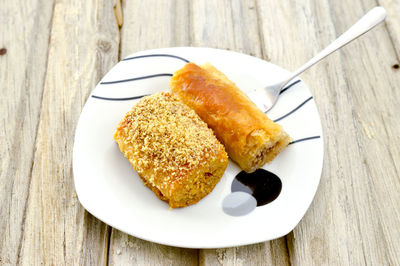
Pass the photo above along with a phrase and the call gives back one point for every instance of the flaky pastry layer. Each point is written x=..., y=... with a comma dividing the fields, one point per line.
x=249, y=136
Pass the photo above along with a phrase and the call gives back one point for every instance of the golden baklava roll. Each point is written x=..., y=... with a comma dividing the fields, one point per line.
x=249, y=137
x=172, y=149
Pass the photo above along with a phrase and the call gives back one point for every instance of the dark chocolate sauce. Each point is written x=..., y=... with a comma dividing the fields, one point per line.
x=263, y=185
x=3, y=51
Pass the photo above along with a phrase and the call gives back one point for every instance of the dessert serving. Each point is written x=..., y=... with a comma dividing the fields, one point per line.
x=174, y=152
x=249, y=136
x=108, y=187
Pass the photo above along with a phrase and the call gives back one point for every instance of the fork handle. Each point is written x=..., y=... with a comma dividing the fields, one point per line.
x=367, y=22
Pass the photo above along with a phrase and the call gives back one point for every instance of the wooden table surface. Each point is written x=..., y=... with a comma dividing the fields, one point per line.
x=55, y=52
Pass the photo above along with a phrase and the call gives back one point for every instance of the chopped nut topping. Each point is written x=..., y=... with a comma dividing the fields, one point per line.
x=164, y=137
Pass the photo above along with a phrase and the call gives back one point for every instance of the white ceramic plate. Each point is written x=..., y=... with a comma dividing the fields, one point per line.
x=111, y=190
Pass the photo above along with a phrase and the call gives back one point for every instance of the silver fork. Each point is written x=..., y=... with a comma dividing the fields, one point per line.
x=270, y=94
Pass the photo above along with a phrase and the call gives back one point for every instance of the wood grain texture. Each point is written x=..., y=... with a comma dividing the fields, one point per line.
x=210, y=19
x=234, y=25
x=376, y=194
x=128, y=250
x=392, y=23
x=269, y=253
x=347, y=221
x=57, y=230
x=166, y=25
x=298, y=45
x=231, y=25
x=22, y=75
x=56, y=52
x=154, y=24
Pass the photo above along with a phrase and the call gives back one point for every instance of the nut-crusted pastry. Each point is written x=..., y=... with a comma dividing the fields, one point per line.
x=250, y=138
x=172, y=149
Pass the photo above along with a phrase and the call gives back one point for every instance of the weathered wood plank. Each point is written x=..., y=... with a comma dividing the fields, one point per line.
x=83, y=46
x=231, y=25
x=129, y=250
x=149, y=25
x=269, y=253
x=354, y=218
x=375, y=99
x=392, y=23
x=320, y=238
x=154, y=24
x=348, y=222
x=24, y=39
x=234, y=25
